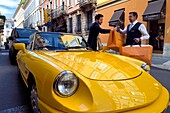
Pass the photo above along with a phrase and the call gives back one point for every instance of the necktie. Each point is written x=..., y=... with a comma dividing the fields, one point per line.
x=130, y=27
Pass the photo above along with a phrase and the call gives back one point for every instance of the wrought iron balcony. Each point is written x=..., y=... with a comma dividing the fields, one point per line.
x=83, y=3
x=62, y=10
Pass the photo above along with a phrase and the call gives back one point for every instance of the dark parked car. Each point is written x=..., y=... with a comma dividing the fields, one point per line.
x=18, y=35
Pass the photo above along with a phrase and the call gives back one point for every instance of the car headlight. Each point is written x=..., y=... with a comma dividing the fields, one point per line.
x=145, y=67
x=66, y=84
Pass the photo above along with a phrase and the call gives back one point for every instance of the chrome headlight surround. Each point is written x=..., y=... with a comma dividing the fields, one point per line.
x=145, y=67
x=66, y=84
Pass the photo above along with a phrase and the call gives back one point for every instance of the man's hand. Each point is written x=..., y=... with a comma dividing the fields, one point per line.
x=137, y=40
x=117, y=28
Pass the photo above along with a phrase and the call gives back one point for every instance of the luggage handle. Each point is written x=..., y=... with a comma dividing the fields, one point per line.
x=134, y=43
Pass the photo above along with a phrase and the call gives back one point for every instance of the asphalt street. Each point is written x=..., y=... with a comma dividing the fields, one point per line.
x=13, y=92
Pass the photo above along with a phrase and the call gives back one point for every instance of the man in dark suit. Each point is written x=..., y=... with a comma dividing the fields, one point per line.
x=95, y=29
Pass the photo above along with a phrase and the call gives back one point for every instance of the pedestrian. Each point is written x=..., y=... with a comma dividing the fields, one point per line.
x=135, y=31
x=95, y=29
x=160, y=40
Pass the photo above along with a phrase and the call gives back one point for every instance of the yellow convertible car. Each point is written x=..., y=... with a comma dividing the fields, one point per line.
x=64, y=75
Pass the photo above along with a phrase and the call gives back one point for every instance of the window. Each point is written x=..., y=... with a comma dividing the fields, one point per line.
x=7, y=25
x=89, y=20
x=21, y=33
x=12, y=24
x=78, y=26
x=70, y=2
x=76, y=2
x=56, y=3
x=70, y=25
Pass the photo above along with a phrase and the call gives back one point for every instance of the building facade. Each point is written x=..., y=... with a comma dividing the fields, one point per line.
x=19, y=16
x=59, y=16
x=80, y=16
x=73, y=16
x=152, y=13
x=31, y=14
x=46, y=8
x=9, y=24
x=2, y=22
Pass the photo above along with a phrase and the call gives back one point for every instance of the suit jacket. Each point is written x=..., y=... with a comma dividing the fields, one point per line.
x=95, y=29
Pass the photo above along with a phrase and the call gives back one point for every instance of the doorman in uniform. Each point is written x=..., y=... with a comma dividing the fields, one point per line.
x=135, y=31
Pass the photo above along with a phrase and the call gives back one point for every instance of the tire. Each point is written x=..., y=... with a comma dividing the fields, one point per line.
x=12, y=55
x=19, y=73
x=6, y=46
x=33, y=99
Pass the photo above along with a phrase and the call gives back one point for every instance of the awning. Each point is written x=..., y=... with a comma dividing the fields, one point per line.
x=153, y=10
x=117, y=17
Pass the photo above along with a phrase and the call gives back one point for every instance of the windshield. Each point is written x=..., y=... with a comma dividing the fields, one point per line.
x=24, y=33
x=56, y=41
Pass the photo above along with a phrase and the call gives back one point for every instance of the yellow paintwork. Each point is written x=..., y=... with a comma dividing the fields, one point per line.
x=108, y=83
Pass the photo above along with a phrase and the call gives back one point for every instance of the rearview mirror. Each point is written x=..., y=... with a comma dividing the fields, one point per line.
x=20, y=46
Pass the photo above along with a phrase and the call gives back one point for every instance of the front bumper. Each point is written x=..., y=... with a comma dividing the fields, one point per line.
x=159, y=106
x=44, y=108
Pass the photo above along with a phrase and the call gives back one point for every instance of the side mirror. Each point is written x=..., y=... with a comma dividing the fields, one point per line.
x=20, y=46
x=11, y=38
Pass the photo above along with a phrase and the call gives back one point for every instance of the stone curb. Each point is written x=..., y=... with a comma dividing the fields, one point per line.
x=160, y=66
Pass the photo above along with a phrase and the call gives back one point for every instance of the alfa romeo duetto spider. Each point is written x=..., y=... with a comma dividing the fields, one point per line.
x=63, y=74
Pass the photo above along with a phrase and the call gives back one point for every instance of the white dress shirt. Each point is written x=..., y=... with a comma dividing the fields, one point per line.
x=141, y=28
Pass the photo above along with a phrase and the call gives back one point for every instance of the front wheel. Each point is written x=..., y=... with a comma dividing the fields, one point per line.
x=34, y=99
x=12, y=55
x=19, y=73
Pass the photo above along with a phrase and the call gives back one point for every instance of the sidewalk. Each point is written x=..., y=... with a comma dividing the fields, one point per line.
x=159, y=61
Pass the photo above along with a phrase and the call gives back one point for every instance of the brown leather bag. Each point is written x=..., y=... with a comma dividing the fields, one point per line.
x=143, y=53
x=115, y=41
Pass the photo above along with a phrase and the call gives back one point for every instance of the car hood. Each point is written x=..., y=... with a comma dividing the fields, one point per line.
x=109, y=76
x=22, y=40
x=96, y=65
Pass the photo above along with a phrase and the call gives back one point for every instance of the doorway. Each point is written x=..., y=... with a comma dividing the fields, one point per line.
x=156, y=33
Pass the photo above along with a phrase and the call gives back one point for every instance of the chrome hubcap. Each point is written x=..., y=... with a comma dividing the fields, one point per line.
x=34, y=100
